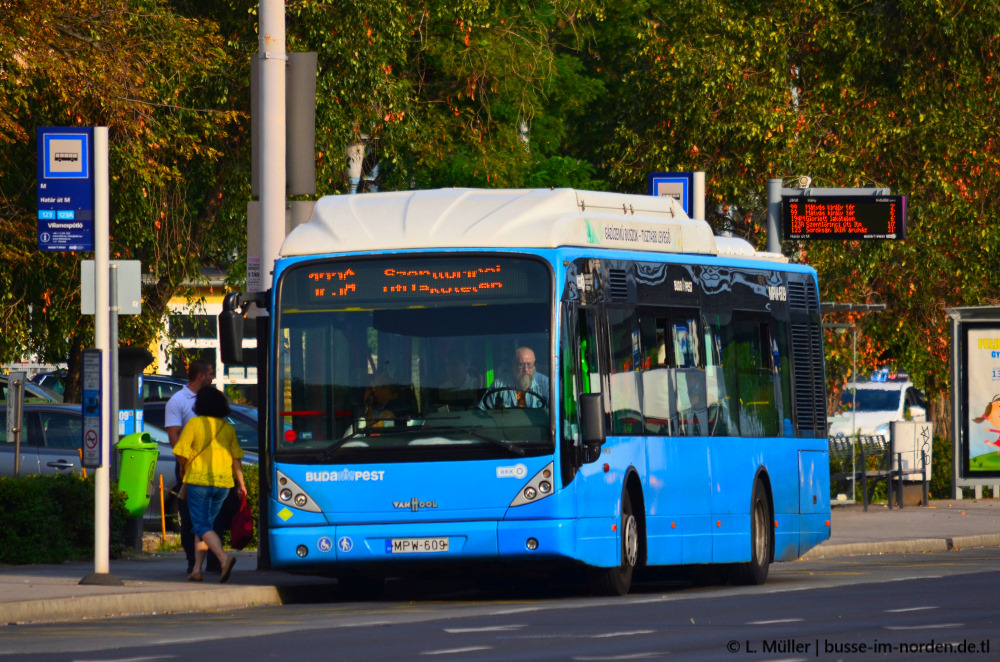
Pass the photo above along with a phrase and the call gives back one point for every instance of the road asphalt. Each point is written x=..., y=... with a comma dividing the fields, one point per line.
x=149, y=583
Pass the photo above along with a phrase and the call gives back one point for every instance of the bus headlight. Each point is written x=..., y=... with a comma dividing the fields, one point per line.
x=293, y=495
x=536, y=489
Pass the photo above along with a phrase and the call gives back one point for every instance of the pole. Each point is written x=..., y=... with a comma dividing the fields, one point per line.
x=698, y=196
x=113, y=355
x=271, y=51
x=102, y=252
x=774, y=216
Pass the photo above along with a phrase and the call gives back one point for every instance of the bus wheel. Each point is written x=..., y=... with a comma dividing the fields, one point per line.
x=754, y=571
x=618, y=580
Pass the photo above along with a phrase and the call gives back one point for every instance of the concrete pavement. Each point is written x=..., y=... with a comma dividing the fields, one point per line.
x=153, y=583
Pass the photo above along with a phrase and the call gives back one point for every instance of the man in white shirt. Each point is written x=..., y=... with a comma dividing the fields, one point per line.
x=180, y=410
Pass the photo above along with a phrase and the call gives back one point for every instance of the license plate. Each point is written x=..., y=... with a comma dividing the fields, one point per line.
x=415, y=545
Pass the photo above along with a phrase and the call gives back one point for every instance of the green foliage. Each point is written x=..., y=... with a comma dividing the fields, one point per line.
x=942, y=472
x=895, y=93
x=50, y=519
x=163, y=85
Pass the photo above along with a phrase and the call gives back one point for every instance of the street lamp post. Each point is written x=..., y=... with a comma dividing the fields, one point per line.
x=355, y=162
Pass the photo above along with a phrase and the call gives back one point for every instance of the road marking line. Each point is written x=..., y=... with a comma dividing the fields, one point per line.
x=455, y=651
x=608, y=635
x=900, y=611
x=487, y=628
x=924, y=627
x=522, y=610
x=778, y=620
x=652, y=655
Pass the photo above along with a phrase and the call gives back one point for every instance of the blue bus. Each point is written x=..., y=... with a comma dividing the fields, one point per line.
x=470, y=378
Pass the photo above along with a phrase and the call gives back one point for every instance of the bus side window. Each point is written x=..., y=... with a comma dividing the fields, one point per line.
x=657, y=405
x=758, y=411
x=572, y=359
x=590, y=366
x=626, y=410
x=719, y=382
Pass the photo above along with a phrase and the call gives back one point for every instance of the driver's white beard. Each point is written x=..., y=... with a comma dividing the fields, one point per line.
x=523, y=382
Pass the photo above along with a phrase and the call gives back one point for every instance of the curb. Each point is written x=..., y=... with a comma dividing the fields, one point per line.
x=147, y=603
x=916, y=545
x=137, y=604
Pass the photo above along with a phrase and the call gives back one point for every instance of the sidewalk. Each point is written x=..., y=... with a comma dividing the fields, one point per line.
x=155, y=583
x=942, y=525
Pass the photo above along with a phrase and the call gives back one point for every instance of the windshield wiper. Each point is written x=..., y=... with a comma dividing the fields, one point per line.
x=508, y=446
x=361, y=432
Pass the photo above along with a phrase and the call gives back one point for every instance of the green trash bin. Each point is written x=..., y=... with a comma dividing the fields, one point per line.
x=136, y=466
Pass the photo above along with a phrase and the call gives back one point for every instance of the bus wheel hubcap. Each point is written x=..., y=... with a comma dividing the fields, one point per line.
x=631, y=539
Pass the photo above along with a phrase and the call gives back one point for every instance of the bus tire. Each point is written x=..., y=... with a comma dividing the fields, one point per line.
x=618, y=580
x=754, y=571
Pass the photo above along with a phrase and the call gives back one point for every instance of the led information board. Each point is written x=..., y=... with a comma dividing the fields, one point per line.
x=844, y=217
x=413, y=281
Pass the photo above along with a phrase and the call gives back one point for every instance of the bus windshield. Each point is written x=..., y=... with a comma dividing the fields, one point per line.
x=413, y=358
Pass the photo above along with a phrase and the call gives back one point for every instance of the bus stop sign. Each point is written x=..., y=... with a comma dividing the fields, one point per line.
x=65, y=188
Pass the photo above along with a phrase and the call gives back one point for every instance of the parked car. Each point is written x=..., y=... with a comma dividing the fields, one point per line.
x=871, y=407
x=32, y=392
x=54, y=381
x=159, y=388
x=155, y=388
x=51, y=442
x=244, y=420
x=52, y=438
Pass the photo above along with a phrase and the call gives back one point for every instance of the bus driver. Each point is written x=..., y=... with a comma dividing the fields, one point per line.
x=524, y=387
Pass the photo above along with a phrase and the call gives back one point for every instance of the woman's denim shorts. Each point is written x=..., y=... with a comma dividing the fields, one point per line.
x=204, y=504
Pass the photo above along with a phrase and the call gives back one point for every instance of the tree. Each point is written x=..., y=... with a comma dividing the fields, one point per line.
x=889, y=93
x=162, y=85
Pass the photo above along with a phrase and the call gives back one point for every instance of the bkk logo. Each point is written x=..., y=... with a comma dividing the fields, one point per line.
x=516, y=471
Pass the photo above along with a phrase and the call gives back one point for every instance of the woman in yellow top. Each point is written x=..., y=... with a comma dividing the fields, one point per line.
x=209, y=456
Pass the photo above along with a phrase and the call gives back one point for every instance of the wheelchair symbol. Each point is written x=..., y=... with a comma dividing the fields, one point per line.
x=324, y=544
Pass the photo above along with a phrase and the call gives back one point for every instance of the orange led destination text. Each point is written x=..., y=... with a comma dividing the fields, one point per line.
x=428, y=281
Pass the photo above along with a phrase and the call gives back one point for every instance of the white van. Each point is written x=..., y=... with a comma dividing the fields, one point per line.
x=871, y=407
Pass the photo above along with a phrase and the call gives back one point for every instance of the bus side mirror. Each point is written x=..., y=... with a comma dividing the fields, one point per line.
x=231, y=323
x=592, y=425
x=231, y=337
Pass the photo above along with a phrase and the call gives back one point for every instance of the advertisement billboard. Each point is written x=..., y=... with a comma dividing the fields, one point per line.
x=981, y=417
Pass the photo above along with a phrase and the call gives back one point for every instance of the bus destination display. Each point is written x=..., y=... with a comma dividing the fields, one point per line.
x=434, y=281
x=844, y=217
x=405, y=282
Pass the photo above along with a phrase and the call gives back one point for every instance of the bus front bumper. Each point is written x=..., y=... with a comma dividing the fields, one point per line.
x=469, y=541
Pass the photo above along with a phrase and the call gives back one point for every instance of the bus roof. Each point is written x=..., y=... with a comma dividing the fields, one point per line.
x=505, y=218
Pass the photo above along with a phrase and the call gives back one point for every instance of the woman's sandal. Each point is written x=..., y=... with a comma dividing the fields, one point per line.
x=226, y=569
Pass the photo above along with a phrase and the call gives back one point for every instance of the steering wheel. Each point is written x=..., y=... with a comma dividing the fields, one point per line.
x=498, y=403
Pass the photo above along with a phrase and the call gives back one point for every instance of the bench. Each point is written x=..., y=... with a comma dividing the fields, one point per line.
x=867, y=457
